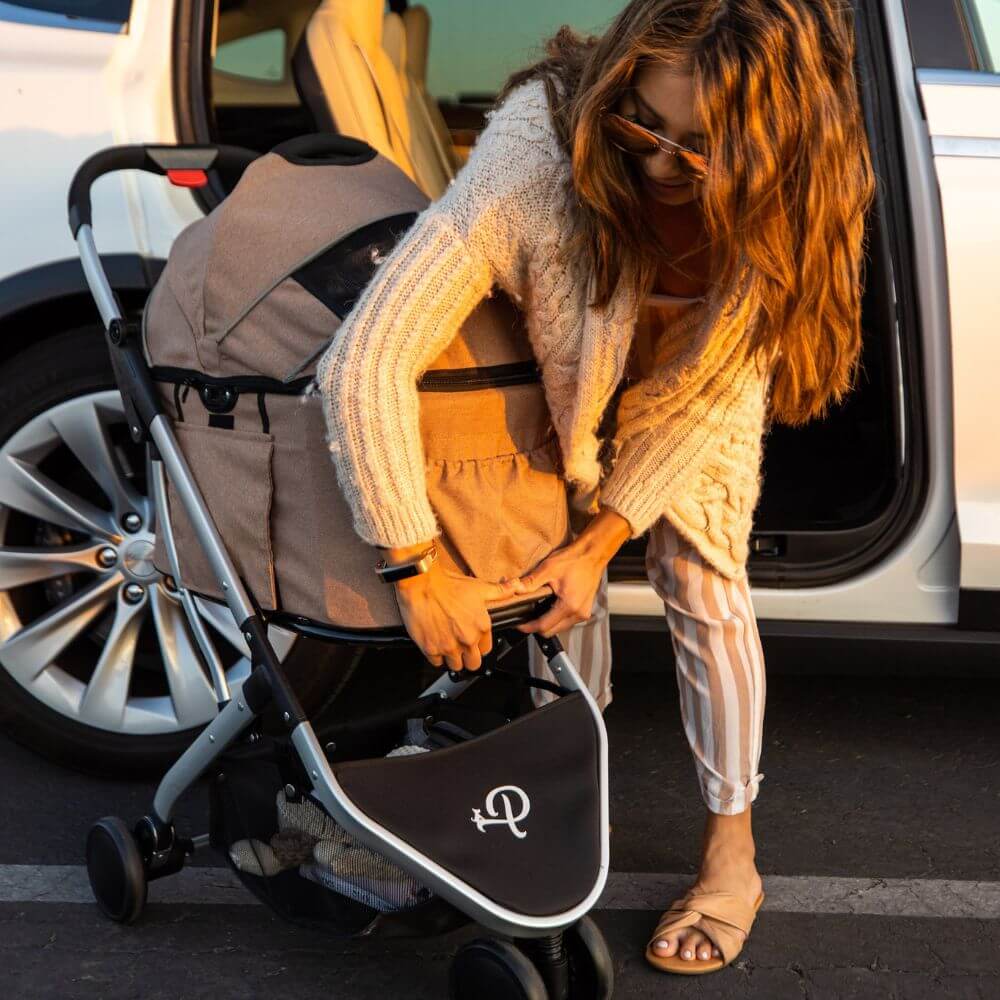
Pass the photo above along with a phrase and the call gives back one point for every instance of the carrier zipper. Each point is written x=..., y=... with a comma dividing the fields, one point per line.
x=485, y=376
x=248, y=383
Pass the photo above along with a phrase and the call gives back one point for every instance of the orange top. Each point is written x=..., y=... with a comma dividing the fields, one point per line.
x=676, y=288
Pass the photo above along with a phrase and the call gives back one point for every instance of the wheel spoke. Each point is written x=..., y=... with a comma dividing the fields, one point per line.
x=221, y=619
x=106, y=697
x=190, y=691
x=84, y=429
x=20, y=566
x=25, y=488
x=32, y=648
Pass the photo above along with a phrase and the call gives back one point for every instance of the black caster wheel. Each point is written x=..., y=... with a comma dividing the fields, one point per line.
x=115, y=868
x=591, y=971
x=487, y=969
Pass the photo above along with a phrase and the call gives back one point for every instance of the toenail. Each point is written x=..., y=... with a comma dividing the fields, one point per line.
x=687, y=954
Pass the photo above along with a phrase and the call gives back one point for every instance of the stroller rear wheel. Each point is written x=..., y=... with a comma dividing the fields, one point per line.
x=591, y=970
x=117, y=874
x=487, y=969
x=575, y=965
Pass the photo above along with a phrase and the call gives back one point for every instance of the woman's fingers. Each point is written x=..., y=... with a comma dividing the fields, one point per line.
x=558, y=617
x=462, y=636
x=502, y=588
x=538, y=577
x=486, y=641
x=454, y=659
x=465, y=656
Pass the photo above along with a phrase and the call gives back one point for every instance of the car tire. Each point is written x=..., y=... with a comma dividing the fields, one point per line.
x=38, y=388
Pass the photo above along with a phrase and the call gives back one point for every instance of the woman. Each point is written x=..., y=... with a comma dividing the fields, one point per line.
x=678, y=206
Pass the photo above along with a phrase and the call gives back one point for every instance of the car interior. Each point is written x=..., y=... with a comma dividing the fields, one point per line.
x=831, y=489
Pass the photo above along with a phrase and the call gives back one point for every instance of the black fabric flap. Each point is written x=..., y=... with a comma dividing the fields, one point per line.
x=515, y=813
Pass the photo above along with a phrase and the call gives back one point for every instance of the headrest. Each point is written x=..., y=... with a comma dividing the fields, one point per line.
x=394, y=41
x=417, y=26
x=360, y=19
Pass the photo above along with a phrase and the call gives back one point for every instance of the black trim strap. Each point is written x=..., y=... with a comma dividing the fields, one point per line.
x=432, y=380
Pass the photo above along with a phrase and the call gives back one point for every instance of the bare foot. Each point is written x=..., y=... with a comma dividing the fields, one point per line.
x=727, y=864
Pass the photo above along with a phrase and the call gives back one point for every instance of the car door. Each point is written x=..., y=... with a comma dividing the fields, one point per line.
x=956, y=52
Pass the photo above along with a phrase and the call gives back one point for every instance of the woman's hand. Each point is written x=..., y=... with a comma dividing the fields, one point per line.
x=574, y=573
x=446, y=615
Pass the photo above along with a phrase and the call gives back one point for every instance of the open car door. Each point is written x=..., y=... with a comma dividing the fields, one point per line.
x=956, y=50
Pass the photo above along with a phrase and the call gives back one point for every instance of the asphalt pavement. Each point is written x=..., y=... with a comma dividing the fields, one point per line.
x=877, y=827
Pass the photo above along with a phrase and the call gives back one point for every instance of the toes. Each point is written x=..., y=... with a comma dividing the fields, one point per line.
x=666, y=946
x=704, y=949
x=697, y=946
x=689, y=946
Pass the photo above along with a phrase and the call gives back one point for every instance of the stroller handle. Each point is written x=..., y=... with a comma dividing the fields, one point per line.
x=184, y=165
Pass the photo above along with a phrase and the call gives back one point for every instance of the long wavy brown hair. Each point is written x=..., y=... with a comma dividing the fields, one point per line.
x=790, y=177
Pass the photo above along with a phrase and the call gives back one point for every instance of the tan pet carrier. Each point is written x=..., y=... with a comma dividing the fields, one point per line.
x=250, y=297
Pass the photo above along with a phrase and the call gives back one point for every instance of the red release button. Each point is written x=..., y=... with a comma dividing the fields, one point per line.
x=187, y=178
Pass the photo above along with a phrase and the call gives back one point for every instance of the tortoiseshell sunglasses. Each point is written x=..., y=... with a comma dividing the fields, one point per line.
x=631, y=137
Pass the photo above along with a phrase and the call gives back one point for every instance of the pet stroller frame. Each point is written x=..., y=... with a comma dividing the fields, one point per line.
x=121, y=861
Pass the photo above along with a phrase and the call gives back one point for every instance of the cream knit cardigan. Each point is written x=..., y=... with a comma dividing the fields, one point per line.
x=688, y=443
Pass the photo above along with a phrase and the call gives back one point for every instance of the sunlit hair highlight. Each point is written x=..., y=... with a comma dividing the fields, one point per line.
x=790, y=176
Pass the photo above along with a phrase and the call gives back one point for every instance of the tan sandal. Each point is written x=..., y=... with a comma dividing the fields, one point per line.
x=721, y=917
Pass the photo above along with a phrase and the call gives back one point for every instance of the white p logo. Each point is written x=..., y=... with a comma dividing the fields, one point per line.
x=515, y=806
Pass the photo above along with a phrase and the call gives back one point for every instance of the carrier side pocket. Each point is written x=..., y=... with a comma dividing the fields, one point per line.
x=233, y=471
x=502, y=514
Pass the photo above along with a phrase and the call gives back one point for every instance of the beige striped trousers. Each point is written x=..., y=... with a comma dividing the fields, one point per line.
x=719, y=664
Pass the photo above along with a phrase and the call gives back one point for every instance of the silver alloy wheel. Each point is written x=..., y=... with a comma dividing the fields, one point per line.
x=100, y=584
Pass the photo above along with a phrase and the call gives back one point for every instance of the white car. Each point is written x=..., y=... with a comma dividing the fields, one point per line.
x=882, y=521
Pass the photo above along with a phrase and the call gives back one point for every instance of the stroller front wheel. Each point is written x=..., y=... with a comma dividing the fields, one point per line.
x=116, y=871
x=487, y=969
x=590, y=963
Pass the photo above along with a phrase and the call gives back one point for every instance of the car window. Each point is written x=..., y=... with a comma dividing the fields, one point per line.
x=954, y=34
x=258, y=57
x=474, y=46
x=110, y=11
x=984, y=21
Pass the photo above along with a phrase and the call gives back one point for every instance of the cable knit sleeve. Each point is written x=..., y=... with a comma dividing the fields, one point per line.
x=476, y=234
x=713, y=423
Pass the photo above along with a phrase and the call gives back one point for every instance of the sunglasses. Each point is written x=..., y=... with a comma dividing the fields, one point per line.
x=636, y=139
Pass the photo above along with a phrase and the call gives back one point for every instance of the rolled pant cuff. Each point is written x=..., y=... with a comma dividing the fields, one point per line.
x=737, y=802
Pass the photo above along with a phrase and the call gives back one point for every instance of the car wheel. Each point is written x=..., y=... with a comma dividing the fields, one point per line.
x=98, y=664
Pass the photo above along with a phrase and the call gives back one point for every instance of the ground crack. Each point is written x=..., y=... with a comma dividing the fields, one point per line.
x=803, y=979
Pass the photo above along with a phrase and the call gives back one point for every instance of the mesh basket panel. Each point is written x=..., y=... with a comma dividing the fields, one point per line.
x=296, y=858
x=362, y=874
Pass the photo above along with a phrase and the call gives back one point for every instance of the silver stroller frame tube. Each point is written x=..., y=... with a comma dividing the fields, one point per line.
x=267, y=682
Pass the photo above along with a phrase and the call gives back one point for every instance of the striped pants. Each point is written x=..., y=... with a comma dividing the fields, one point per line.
x=719, y=665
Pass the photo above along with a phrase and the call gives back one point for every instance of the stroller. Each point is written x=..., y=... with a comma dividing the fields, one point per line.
x=423, y=816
